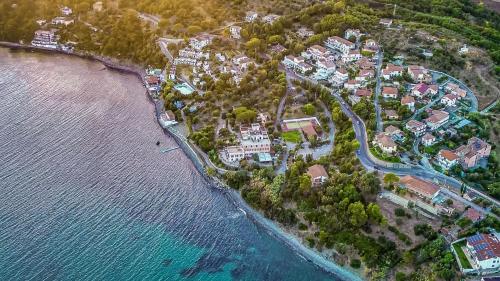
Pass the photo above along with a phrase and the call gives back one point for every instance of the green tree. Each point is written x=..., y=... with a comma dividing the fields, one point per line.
x=374, y=213
x=305, y=183
x=309, y=109
x=390, y=179
x=357, y=214
x=254, y=44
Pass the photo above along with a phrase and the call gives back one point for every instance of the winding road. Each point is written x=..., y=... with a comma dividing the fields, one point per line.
x=373, y=164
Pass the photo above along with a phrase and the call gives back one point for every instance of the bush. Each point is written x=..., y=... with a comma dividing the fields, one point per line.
x=355, y=263
x=400, y=212
x=400, y=276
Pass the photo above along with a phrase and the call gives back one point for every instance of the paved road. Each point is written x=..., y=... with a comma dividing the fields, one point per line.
x=370, y=164
x=470, y=93
x=163, y=43
x=152, y=19
x=380, y=123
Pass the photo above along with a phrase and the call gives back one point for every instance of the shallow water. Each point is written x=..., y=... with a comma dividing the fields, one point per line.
x=85, y=193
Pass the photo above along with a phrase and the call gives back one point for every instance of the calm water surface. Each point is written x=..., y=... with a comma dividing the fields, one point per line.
x=85, y=194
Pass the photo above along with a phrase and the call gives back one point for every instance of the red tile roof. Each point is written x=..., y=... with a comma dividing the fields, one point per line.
x=448, y=155
x=317, y=171
x=424, y=188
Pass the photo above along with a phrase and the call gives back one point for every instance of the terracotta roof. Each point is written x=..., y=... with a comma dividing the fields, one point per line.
x=414, y=123
x=407, y=100
x=319, y=48
x=317, y=171
x=341, y=40
x=448, y=155
x=428, y=136
x=393, y=68
x=309, y=130
x=385, y=140
x=437, y=116
x=391, y=113
x=473, y=215
x=392, y=130
x=390, y=90
x=450, y=96
x=425, y=188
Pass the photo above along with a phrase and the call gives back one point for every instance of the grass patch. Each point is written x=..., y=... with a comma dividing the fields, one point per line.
x=383, y=156
x=461, y=255
x=292, y=136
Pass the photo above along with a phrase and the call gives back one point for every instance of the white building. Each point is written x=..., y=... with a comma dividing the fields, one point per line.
x=409, y=101
x=66, y=11
x=446, y=159
x=340, y=44
x=385, y=143
x=201, y=41
x=184, y=61
x=297, y=64
x=352, y=33
x=251, y=16
x=62, y=20
x=316, y=52
x=464, y=50
x=390, y=92
x=352, y=55
x=233, y=153
x=437, y=119
x=254, y=139
x=328, y=67
x=45, y=38
x=391, y=71
x=167, y=119
x=485, y=250
x=449, y=100
x=270, y=19
x=235, y=31
x=352, y=85
x=428, y=139
x=385, y=22
x=416, y=127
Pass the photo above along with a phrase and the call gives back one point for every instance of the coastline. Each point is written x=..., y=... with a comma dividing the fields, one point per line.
x=272, y=228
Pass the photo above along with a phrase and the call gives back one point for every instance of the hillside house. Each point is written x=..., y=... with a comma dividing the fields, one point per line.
x=390, y=92
x=415, y=127
x=318, y=175
x=340, y=44
x=409, y=101
x=385, y=143
x=446, y=159
x=437, y=119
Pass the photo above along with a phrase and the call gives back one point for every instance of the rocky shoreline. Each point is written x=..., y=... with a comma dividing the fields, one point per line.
x=290, y=238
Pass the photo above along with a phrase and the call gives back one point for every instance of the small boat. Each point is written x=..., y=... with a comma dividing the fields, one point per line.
x=158, y=143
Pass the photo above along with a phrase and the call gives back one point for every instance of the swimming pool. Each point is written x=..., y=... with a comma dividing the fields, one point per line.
x=184, y=88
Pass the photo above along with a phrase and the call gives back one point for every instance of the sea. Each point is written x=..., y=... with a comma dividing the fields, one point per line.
x=86, y=194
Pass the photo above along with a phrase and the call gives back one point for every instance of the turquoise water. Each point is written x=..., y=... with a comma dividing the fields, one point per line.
x=87, y=195
x=184, y=88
